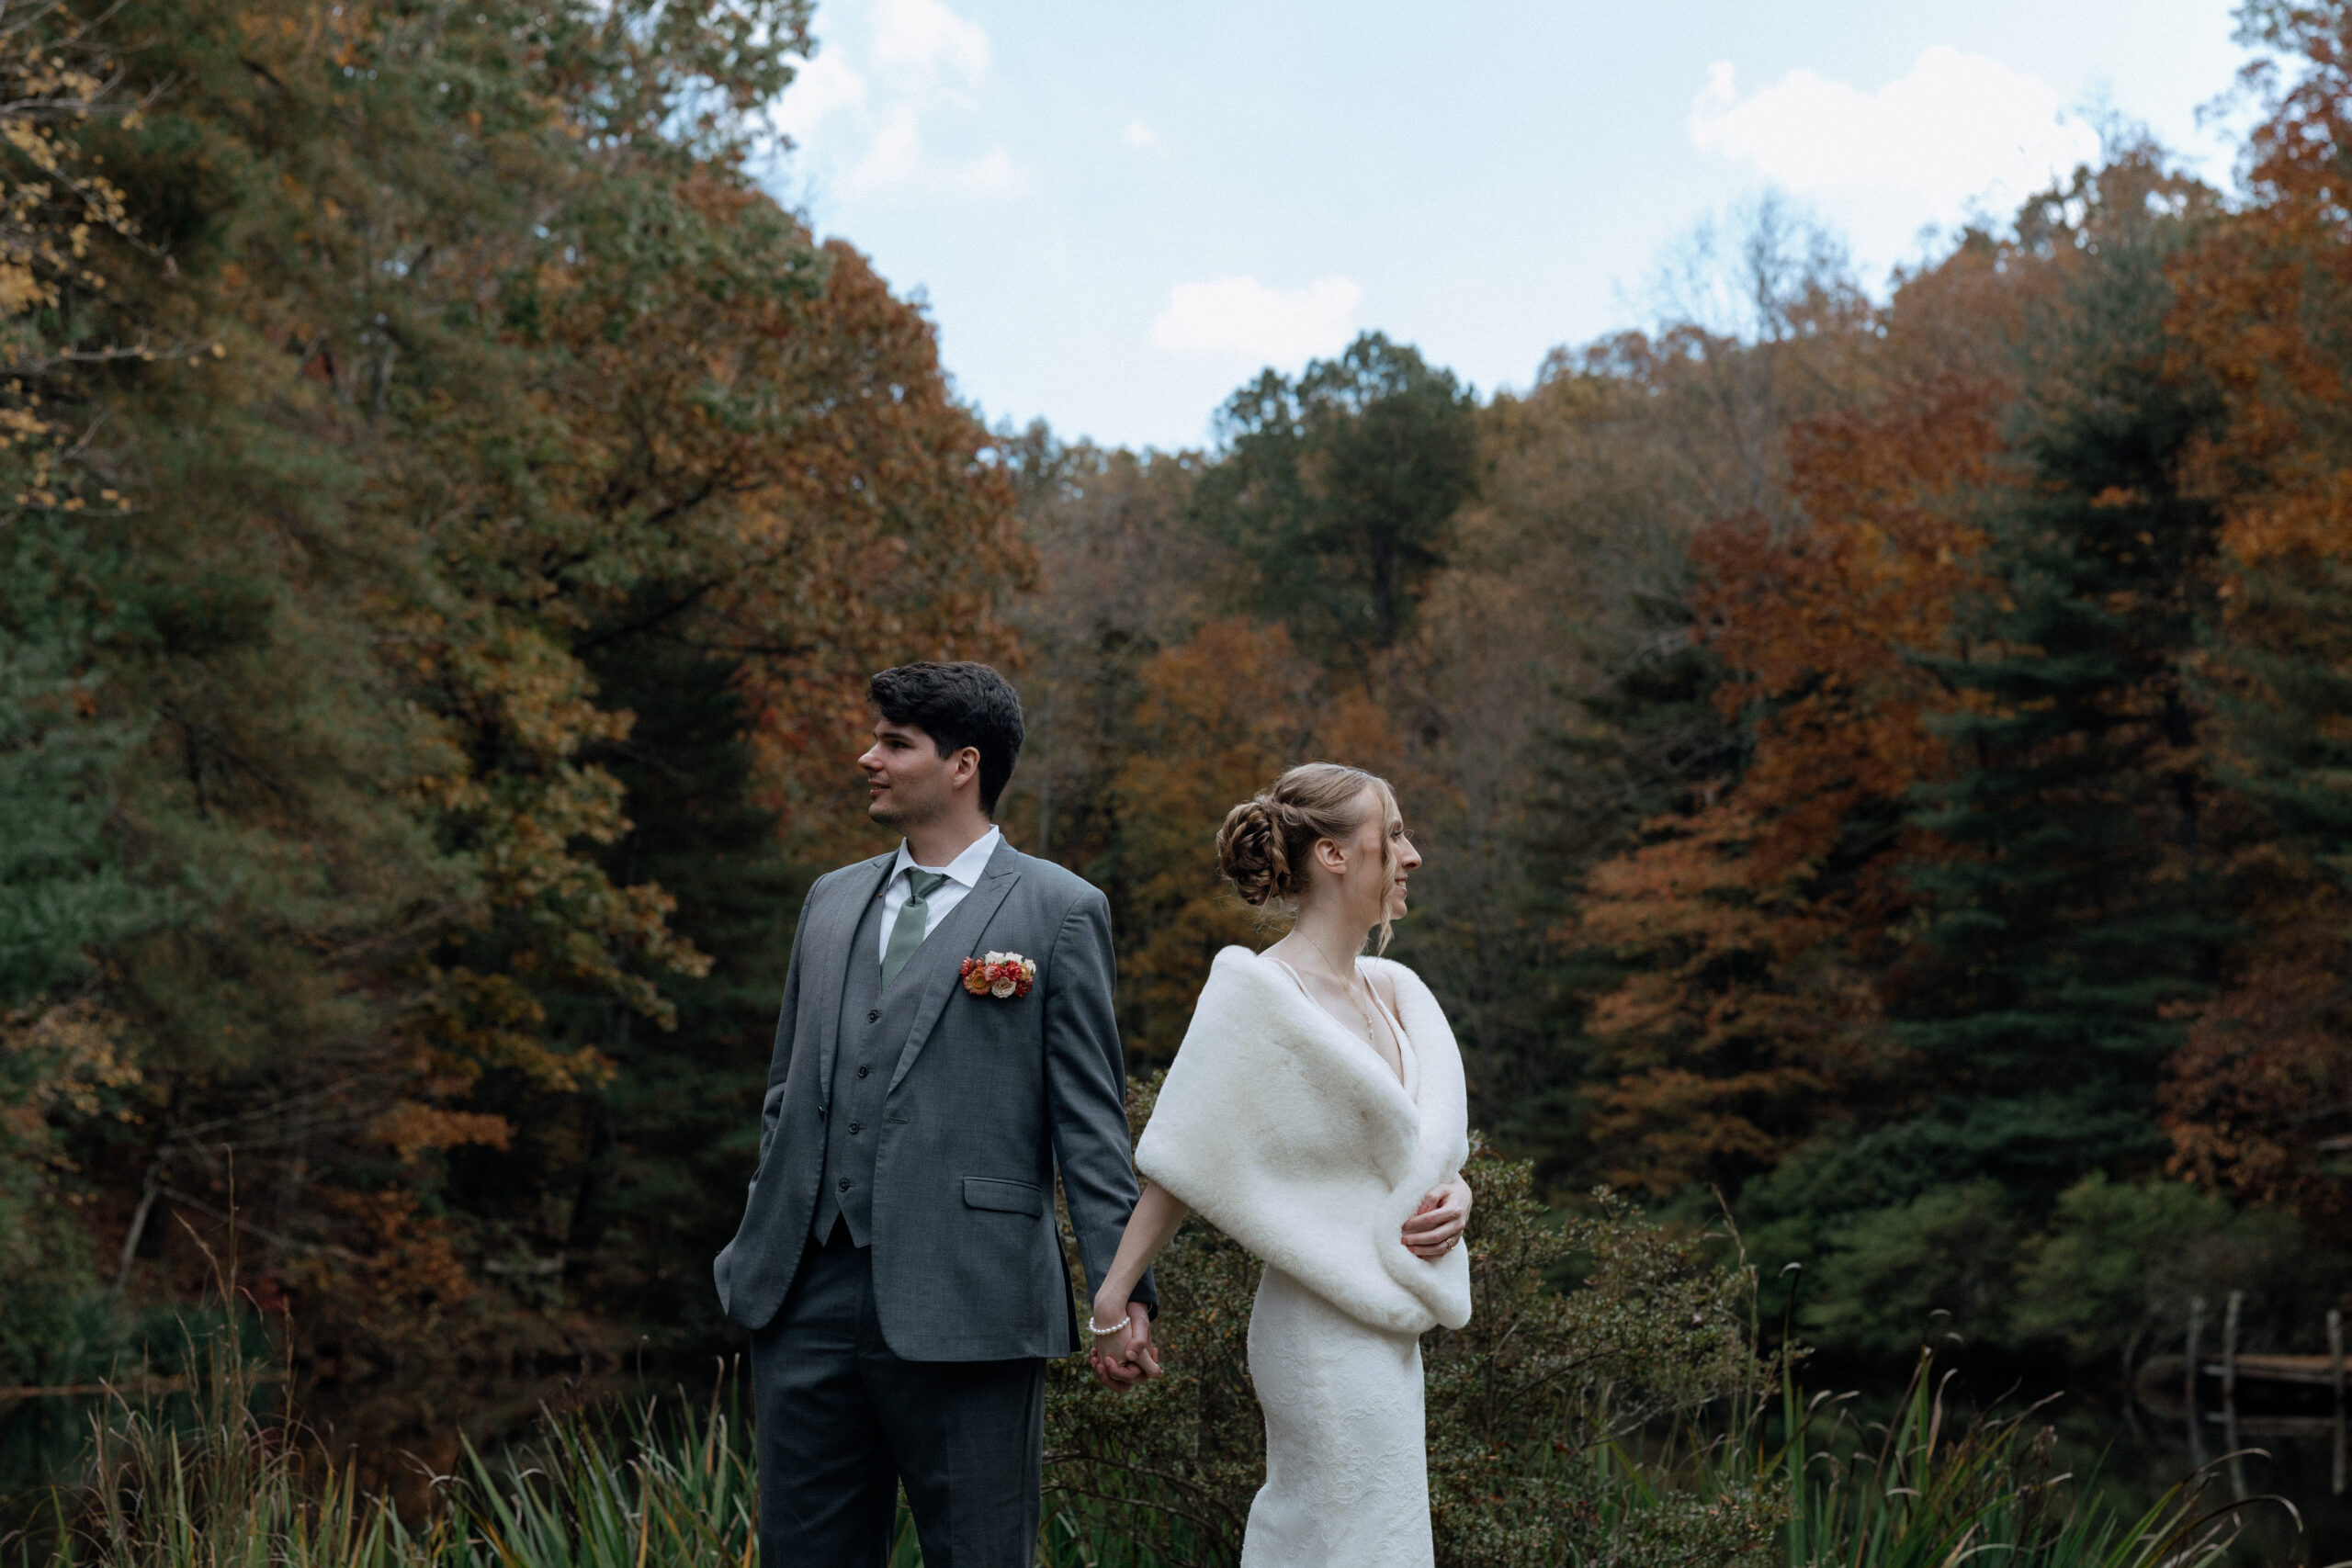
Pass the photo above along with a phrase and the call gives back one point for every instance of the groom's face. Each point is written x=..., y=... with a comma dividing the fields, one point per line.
x=907, y=781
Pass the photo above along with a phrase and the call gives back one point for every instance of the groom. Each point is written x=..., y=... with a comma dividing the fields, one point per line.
x=897, y=1262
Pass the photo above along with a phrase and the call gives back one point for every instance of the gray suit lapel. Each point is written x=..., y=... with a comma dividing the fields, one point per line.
x=937, y=965
x=830, y=956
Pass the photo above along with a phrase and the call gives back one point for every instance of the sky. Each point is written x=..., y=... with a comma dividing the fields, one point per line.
x=1117, y=212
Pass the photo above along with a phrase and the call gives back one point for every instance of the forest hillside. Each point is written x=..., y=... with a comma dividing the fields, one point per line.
x=1884, y=764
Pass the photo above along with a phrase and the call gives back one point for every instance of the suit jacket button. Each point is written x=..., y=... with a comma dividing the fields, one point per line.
x=873, y=1017
x=843, y=1184
x=857, y=1126
x=863, y=1071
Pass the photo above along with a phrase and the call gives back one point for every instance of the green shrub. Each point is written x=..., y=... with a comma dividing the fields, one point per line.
x=1889, y=1277
x=2107, y=1270
x=2117, y=1261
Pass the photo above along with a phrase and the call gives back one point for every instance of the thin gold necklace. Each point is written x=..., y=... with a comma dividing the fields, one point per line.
x=1370, y=1029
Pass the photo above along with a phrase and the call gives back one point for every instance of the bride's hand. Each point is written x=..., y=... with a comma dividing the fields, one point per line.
x=1438, y=1224
x=1126, y=1356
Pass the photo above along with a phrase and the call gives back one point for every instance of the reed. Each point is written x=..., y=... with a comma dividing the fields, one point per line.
x=1929, y=1487
x=201, y=1480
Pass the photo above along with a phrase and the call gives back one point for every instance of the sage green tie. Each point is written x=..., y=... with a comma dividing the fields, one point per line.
x=914, y=920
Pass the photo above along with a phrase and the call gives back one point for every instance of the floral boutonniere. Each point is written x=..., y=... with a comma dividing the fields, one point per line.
x=1000, y=974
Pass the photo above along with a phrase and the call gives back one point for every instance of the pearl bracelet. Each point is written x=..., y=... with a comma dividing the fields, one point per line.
x=1108, y=1328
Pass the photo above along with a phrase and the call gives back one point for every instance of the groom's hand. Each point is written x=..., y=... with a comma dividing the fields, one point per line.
x=1141, y=1351
x=1121, y=1360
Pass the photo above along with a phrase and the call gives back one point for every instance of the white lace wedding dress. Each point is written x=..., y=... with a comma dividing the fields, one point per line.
x=1293, y=1136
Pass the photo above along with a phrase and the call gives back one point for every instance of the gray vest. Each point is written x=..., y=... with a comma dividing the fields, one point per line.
x=875, y=1025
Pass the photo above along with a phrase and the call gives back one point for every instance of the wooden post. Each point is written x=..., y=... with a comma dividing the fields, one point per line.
x=2230, y=1314
x=2188, y=1381
x=2336, y=1375
x=2229, y=1346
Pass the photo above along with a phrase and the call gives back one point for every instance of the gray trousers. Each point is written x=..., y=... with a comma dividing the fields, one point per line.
x=841, y=1422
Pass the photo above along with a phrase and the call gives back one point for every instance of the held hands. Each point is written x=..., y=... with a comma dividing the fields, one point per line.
x=1126, y=1356
x=1438, y=1224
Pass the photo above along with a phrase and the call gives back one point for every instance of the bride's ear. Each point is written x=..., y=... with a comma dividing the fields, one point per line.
x=1331, y=855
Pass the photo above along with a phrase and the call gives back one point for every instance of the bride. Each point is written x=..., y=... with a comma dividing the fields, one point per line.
x=1316, y=1114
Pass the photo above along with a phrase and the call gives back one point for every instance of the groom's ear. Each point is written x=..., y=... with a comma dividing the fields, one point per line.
x=963, y=768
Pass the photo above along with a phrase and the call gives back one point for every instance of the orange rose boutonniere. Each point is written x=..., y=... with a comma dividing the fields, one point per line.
x=1000, y=974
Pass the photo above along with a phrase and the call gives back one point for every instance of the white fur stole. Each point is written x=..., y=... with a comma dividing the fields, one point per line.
x=1292, y=1136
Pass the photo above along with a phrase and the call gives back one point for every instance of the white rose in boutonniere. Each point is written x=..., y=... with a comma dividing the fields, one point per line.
x=1000, y=974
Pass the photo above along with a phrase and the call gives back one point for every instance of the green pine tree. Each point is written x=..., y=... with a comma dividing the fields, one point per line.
x=2071, y=913
x=2283, y=707
x=62, y=887
x=638, y=1183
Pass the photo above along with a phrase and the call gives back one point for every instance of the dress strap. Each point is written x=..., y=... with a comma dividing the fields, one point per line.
x=1298, y=980
x=1408, y=1059
x=1381, y=1002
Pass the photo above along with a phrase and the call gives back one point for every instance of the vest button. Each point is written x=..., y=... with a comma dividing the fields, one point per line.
x=873, y=1017
x=863, y=1071
x=843, y=1184
x=857, y=1127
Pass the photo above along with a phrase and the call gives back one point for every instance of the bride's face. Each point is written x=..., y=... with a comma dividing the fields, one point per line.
x=1381, y=859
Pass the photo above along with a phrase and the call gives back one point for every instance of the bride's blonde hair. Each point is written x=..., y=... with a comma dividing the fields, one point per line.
x=1267, y=840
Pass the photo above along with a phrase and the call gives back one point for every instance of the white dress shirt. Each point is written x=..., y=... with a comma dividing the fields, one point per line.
x=963, y=875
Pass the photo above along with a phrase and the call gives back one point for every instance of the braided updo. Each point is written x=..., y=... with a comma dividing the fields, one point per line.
x=1266, y=841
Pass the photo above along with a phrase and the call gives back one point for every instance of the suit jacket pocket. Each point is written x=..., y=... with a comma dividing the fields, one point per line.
x=1011, y=1196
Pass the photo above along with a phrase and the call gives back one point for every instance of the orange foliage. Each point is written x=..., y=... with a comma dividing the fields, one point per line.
x=2246, y=1097
x=1725, y=1031
x=1818, y=627
x=2258, y=298
x=764, y=450
x=772, y=433
x=745, y=443
x=1745, y=1019
x=410, y=1128
x=397, y=1282
x=1220, y=717
x=2266, y=1071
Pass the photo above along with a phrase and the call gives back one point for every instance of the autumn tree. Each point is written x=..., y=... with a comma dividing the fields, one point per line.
x=1125, y=574
x=2255, y=1101
x=1752, y=922
x=512, y=524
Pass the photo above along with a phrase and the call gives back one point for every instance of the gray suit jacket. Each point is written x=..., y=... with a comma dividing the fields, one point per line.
x=988, y=1098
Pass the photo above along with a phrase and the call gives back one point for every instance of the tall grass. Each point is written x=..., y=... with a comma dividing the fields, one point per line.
x=204, y=1481
x=1928, y=1488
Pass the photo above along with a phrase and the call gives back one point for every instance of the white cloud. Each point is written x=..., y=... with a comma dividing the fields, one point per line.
x=1138, y=134
x=992, y=174
x=926, y=35
x=1955, y=129
x=1241, y=318
x=894, y=154
x=878, y=106
x=825, y=86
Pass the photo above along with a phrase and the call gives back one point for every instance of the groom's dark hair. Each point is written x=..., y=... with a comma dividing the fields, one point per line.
x=958, y=706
